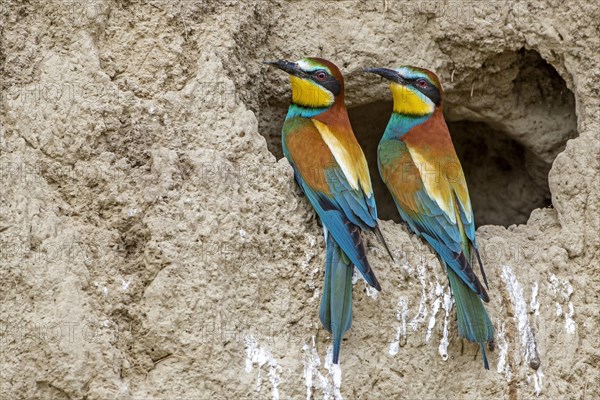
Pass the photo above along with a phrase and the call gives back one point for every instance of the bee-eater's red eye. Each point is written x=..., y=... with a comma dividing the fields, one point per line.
x=422, y=83
x=321, y=75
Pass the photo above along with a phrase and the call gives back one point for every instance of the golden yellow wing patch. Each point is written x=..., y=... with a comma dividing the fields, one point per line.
x=435, y=181
x=462, y=194
x=349, y=157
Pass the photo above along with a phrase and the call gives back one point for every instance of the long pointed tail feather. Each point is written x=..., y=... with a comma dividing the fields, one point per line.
x=382, y=241
x=480, y=266
x=485, y=360
x=336, y=301
x=473, y=321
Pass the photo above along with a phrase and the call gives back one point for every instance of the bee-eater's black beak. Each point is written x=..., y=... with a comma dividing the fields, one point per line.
x=289, y=67
x=387, y=73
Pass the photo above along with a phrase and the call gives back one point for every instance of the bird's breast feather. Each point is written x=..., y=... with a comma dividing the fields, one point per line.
x=308, y=153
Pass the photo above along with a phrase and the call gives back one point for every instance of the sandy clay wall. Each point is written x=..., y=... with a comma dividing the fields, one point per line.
x=155, y=246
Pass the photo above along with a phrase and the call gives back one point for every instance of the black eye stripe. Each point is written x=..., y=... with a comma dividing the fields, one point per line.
x=328, y=82
x=430, y=90
x=416, y=80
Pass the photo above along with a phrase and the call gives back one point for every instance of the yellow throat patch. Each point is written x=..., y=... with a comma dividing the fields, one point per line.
x=410, y=101
x=307, y=93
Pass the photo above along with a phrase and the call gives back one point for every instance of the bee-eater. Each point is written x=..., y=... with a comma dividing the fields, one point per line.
x=419, y=166
x=330, y=167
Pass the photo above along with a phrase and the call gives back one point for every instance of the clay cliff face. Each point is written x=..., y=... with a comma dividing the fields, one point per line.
x=155, y=246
